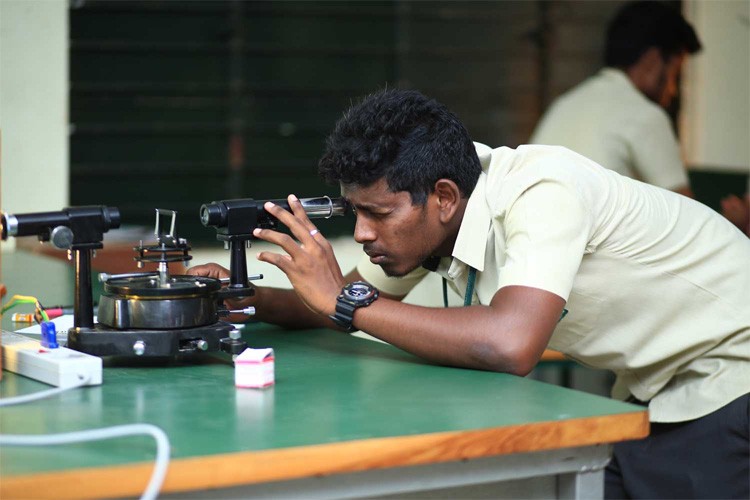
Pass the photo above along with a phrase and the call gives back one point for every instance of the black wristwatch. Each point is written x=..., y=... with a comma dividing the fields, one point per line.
x=352, y=296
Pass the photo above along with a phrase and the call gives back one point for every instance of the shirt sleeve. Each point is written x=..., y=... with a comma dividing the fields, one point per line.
x=374, y=275
x=656, y=153
x=546, y=231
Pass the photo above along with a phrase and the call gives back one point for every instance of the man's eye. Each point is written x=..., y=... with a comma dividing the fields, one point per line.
x=365, y=212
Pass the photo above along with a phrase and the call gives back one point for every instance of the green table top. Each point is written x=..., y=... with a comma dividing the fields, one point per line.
x=330, y=388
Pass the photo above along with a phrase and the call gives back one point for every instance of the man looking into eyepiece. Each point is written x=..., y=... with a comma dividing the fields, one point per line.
x=550, y=249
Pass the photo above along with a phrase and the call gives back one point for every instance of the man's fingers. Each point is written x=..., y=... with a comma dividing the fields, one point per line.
x=282, y=240
x=299, y=212
x=330, y=256
x=289, y=219
x=209, y=270
x=297, y=221
x=281, y=261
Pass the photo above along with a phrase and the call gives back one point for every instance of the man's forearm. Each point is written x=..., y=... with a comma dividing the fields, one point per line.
x=454, y=336
x=284, y=308
x=503, y=336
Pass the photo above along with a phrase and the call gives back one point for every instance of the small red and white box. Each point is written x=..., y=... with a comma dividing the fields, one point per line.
x=254, y=368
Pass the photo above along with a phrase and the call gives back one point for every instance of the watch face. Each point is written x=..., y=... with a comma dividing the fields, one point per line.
x=359, y=291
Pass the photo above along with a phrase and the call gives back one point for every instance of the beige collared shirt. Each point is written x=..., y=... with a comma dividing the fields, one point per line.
x=657, y=286
x=606, y=118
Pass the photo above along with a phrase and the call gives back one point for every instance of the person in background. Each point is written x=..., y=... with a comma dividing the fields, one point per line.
x=549, y=249
x=618, y=117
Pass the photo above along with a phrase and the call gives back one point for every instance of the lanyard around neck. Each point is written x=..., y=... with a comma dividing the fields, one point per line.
x=469, y=288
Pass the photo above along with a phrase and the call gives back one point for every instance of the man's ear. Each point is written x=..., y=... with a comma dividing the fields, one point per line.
x=448, y=199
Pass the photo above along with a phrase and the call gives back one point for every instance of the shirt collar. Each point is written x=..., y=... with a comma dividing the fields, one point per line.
x=471, y=241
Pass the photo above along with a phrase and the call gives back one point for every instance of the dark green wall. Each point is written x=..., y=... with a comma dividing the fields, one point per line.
x=177, y=103
x=160, y=90
x=174, y=104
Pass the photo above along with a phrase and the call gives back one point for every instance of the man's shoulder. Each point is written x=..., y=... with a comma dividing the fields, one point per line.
x=532, y=160
x=595, y=86
x=609, y=90
x=503, y=161
x=531, y=164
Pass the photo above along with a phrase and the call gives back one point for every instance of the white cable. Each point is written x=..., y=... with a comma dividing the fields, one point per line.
x=162, y=446
x=34, y=396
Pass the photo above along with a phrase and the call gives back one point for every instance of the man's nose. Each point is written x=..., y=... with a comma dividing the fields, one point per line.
x=363, y=232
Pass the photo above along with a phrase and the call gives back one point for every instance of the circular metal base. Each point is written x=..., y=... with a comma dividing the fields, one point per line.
x=178, y=286
x=104, y=341
x=146, y=303
x=167, y=314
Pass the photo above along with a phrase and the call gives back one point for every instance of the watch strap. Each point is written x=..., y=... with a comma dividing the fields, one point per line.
x=346, y=305
x=344, y=316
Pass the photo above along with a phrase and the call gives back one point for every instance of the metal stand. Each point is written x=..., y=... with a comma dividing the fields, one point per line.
x=83, y=309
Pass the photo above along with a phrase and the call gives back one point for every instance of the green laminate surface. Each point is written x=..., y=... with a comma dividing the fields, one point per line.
x=330, y=387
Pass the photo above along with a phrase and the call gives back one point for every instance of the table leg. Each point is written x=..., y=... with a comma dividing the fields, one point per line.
x=581, y=485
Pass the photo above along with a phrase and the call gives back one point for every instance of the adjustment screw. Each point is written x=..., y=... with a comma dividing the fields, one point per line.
x=139, y=348
x=202, y=345
x=61, y=237
x=235, y=334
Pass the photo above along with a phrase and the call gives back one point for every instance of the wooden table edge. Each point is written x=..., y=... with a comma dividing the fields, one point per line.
x=250, y=467
x=550, y=355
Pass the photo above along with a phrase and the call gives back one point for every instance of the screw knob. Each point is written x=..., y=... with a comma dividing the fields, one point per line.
x=61, y=237
x=139, y=348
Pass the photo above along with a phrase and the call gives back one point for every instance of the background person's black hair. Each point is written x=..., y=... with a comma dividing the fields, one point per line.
x=639, y=26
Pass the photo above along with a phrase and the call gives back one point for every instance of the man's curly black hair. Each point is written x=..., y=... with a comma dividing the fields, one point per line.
x=404, y=136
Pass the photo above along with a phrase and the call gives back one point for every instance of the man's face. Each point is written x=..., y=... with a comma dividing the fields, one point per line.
x=395, y=234
x=662, y=86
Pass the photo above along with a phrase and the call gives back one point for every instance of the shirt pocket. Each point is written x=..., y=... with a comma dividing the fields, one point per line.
x=580, y=321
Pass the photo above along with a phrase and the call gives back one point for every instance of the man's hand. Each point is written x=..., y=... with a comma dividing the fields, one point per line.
x=209, y=270
x=310, y=263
